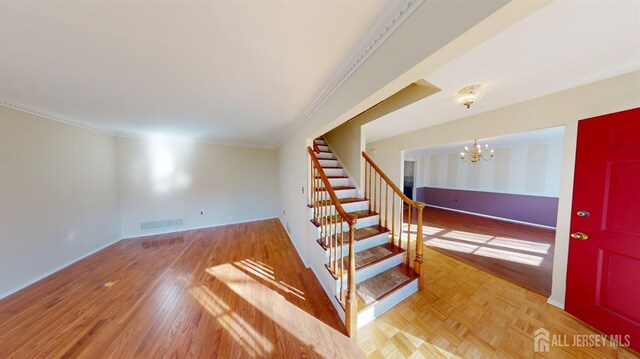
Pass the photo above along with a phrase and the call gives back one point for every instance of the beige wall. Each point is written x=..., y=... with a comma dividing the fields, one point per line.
x=58, y=196
x=525, y=168
x=66, y=192
x=161, y=180
x=348, y=140
x=562, y=108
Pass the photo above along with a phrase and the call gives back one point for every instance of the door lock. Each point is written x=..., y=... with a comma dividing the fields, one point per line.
x=583, y=213
x=580, y=235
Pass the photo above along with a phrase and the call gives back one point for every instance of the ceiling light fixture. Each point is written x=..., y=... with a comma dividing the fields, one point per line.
x=476, y=153
x=468, y=95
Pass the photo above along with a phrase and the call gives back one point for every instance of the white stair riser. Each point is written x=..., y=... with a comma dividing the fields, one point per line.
x=362, y=222
x=336, y=182
x=325, y=155
x=346, y=193
x=349, y=207
x=320, y=142
x=334, y=172
x=361, y=245
x=340, y=193
x=370, y=271
x=328, y=163
x=373, y=241
x=323, y=148
x=376, y=310
x=367, y=221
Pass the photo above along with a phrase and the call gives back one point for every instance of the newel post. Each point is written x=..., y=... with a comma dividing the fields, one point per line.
x=417, y=264
x=351, y=307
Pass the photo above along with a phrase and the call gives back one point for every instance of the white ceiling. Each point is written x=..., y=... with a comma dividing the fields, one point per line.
x=241, y=72
x=565, y=44
x=545, y=135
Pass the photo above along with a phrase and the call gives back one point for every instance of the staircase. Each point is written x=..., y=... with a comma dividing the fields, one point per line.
x=361, y=255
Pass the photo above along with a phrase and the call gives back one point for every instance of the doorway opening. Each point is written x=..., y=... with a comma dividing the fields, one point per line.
x=409, y=179
x=498, y=214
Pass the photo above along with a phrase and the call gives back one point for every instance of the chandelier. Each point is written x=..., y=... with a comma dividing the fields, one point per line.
x=468, y=95
x=476, y=153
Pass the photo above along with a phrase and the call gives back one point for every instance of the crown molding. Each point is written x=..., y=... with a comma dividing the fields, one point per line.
x=386, y=24
x=14, y=105
x=4, y=102
x=131, y=136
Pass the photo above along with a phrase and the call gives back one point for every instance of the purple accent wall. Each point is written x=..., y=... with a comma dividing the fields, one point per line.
x=530, y=209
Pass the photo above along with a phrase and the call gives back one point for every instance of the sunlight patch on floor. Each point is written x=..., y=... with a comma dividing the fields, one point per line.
x=511, y=256
x=509, y=249
x=520, y=244
x=468, y=236
x=482, y=250
x=254, y=344
x=248, y=266
x=451, y=245
x=307, y=329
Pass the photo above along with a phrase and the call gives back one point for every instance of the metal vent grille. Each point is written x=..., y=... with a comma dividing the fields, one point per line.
x=145, y=226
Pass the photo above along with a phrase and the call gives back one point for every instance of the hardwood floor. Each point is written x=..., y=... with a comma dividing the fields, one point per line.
x=231, y=291
x=464, y=312
x=518, y=253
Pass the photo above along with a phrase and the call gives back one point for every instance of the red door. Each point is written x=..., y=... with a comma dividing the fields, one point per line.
x=603, y=274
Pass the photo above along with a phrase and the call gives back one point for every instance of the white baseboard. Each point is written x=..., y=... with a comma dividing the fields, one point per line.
x=555, y=303
x=183, y=229
x=493, y=217
x=45, y=275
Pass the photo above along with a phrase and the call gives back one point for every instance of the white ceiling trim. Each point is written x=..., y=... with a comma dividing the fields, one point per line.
x=41, y=113
x=200, y=141
x=388, y=23
x=85, y=126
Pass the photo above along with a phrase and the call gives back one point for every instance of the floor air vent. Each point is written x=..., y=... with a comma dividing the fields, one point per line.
x=161, y=224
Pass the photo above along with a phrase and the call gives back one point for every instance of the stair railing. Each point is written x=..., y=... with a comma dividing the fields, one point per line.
x=376, y=190
x=332, y=236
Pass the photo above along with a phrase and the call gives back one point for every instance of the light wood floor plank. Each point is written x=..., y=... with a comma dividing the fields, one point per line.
x=230, y=291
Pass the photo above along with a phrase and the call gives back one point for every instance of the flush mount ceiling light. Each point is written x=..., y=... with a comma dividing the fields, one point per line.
x=476, y=153
x=468, y=95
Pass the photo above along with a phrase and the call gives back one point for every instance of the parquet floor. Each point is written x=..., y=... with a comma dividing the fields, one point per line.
x=237, y=291
x=464, y=312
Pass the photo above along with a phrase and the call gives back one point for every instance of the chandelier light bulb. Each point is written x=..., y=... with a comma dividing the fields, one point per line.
x=476, y=154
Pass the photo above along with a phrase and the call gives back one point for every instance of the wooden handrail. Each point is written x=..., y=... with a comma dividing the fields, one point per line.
x=391, y=184
x=350, y=219
x=374, y=184
x=328, y=223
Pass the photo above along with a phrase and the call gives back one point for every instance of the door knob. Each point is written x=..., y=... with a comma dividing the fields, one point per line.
x=583, y=213
x=579, y=235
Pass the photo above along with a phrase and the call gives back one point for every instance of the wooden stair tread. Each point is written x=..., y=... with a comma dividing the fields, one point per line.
x=376, y=288
x=334, y=177
x=360, y=234
x=363, y=214
x=336, y=188
x=358, y=214
x=370, y=256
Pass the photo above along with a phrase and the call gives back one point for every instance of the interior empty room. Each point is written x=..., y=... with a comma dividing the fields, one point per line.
x=334, y=179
